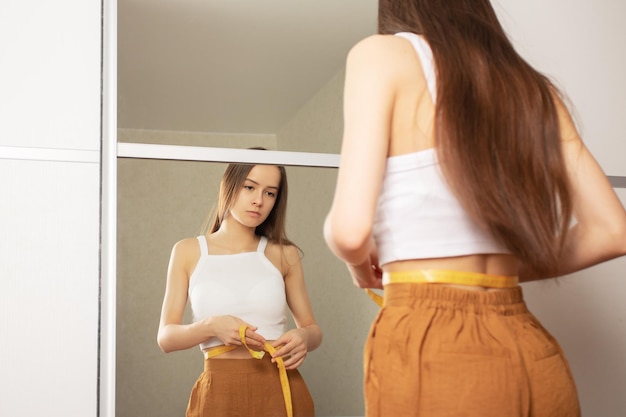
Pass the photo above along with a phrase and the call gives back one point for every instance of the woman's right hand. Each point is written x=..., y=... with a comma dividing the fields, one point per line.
x=368, y=274
x=226, y=329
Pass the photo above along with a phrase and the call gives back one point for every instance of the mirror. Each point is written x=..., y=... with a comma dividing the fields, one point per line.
x=230, y=74
x=161, y=202
x=233, y=73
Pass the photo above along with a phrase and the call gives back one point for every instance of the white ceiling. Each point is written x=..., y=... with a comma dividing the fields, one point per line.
x=238, y=66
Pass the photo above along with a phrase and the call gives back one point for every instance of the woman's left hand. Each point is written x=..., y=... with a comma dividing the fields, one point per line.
x=293, y=347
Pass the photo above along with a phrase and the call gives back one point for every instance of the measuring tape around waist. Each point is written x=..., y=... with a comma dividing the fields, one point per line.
x=258, y=354
x=440, y=276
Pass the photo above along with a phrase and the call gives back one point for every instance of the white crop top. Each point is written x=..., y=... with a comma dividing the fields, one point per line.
x=418, y=216
x=245, y=285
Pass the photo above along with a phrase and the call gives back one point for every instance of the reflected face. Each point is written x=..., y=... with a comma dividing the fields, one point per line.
x=257, y=195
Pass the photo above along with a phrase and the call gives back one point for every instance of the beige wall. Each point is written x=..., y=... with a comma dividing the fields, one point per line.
x=318, y=125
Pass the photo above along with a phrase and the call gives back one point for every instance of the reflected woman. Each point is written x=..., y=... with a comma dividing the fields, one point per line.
x=462, y=174
x=239, y=279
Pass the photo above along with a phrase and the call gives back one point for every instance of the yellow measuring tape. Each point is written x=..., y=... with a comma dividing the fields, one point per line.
x=377, y=298
x=439, y=276
x=258, y=354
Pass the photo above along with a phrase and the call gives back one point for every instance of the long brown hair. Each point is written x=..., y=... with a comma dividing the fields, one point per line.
x=496, y=126
x=233, y=179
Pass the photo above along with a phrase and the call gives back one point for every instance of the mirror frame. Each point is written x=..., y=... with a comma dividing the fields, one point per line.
x=108, y=214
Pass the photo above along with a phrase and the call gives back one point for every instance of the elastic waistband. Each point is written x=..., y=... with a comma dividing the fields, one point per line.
x=438, y=276
x=240, y=366
x=508, y=301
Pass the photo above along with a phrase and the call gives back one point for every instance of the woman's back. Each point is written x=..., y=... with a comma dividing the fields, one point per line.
x=460, y=243
x=511, y=153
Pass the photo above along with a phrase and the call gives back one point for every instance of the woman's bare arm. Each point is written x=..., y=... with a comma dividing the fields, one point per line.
x=599, y=233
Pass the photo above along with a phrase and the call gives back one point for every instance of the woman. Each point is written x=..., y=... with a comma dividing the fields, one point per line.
x=239, y=278
x=461, y=173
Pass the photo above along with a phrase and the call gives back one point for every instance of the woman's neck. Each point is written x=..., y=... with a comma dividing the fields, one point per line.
x=233, y=237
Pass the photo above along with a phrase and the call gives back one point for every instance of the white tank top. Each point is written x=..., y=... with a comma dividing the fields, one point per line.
x=417, y=216
x=245, y=285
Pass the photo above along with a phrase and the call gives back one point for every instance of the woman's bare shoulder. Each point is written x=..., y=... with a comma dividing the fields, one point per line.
x=376, y=46
x=285, y=255
x=567, y=124
x=186, y=249
x=384, y=57
x=287, y=250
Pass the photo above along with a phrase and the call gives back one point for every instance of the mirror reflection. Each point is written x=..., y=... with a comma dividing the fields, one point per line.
x=221, y=72
x=231, y=74
x=161, y=202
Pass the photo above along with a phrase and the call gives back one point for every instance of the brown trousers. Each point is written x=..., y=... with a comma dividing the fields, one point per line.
x=246, y=388
x=437, y=351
